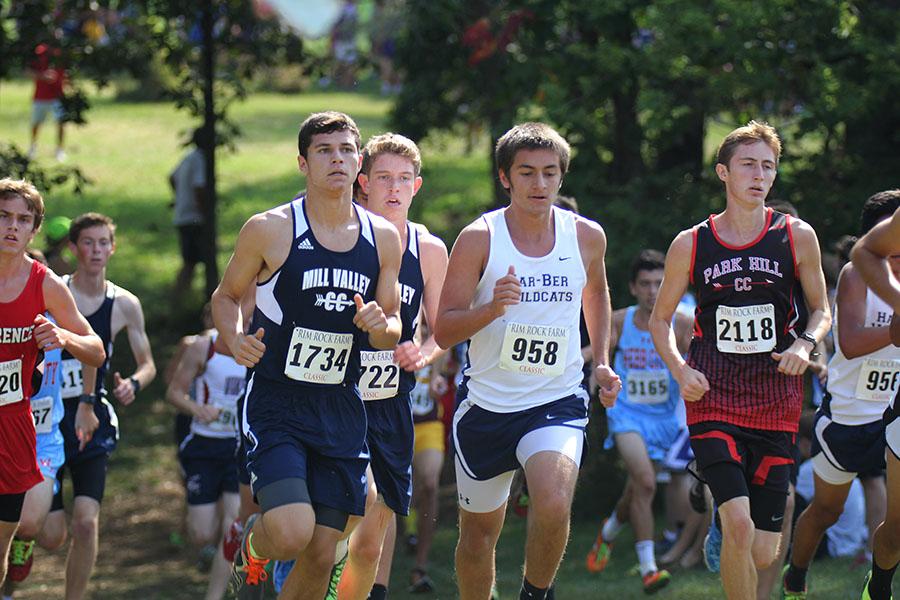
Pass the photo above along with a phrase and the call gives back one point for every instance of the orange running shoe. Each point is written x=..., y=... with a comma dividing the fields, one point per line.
x=599, y=554
x=655, y=581
x=248, y=573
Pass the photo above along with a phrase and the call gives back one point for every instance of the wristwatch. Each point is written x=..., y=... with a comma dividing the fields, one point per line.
x=87, y=399
x=135, y=384
x=808, y=337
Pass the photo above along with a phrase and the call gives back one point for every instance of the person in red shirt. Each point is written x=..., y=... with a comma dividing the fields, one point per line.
x=49, y=78
x=27, y=290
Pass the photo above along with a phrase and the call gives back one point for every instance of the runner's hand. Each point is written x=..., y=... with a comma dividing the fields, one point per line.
x=248, y=349
x=692, y=383
x=507, y=292
x=438, y=386
x=609, y=385
x=206, y=413
x=48, y=336
x=794, y=360
x=123, y=389
x=369, y=316
x=409, y=356
x=86, y=423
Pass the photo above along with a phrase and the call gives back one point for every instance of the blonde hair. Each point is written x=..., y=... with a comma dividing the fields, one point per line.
x=25, y=190
x=754, y=131
x=391, y=143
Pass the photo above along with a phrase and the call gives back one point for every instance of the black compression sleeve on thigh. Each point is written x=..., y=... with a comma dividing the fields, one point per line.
x=292, y=490
x=726, y=481
x=331, y=517
x=89, y=477
x=11, y=507
x=767, y=508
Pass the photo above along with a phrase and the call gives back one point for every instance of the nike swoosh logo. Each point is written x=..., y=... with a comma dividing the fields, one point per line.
x=550, y=417
x=775, y=520
x=564, y=257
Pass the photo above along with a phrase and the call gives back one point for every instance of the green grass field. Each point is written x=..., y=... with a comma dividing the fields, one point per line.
x=128, y=149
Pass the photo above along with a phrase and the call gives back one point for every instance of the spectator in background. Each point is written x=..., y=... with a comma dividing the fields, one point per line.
x=386, y=21
x=49, y=79
x=343, y=45
x=188, y=181
x=56, y=230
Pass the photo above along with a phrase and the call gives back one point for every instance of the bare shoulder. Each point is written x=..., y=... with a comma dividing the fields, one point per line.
x=618, y=317
x=383, y=229
x=683, y=322
x=266, y=224
x=682, y=247
x=129, y=305
x=432, y=244
x=589, y=231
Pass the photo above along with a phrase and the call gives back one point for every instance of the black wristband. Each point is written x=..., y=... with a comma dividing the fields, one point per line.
x=808, y=337
x=87, y=399
x=135, y=384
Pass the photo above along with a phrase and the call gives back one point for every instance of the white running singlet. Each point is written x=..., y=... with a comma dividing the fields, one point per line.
x=220, y=384
x=531, y=355
x=861, y=387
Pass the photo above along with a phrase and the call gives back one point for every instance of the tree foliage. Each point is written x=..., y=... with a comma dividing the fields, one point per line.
x=641, y=89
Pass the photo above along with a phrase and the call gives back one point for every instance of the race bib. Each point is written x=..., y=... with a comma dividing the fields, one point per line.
x=745, y=329
x=42, y=411
x=420, y=397
x=71, y=385
x=379, y=375
x=878, y=379
x=648, y=387
x=318, y=356
x=11, y=381
x=226, y=421
x=538, y=350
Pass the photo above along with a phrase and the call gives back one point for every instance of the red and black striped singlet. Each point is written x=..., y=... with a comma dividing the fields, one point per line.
x=749, y=304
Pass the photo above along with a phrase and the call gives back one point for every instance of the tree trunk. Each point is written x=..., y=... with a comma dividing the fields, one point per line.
x=209, y=150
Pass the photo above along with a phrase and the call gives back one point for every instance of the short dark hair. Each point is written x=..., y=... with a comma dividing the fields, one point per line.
x=647, y=260
x=752, y=132
x=530, y=136
x=877, y=207
x=783, y=206
x=324, y=122
x=11, y=188
x=567, y=203
x=90, y=219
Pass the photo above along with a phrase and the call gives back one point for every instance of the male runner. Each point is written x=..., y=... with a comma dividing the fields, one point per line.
x=752, y=269
x=390, y=179
x=207, y=454
x=644, y=423
x=313, y=260
x=520, y=276
x=874, y=256
x=109, y=309
x=863, y=377
x=47, y=409
x=27, y=290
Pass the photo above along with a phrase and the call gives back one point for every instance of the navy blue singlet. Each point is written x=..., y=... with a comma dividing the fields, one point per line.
x=307, y=308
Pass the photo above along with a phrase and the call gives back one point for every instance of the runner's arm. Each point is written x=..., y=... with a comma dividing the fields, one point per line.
x=188, y=368
x=869, y=255
x=434, y=269
x=242, y=270
x=850, y=331
x=457, y=320
x=138, y=340
x=385, y=335
x=812, y=279
x=72, y=331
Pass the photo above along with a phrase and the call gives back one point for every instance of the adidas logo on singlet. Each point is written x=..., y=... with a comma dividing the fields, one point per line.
x=305, y=245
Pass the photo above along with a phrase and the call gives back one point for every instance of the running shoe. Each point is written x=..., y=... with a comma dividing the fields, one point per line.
x=712, y=546
x=21, y=557
x=248, y=574
x=420, y=582
x=655, y=581
x=600, y=552
x=336, y=571
x=787, y=594
x=232, y=540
